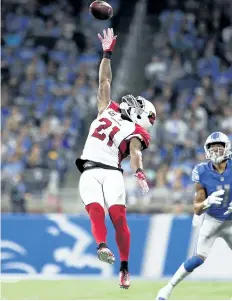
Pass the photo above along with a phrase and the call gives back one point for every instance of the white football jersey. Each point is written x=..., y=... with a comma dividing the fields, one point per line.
x=109, y=136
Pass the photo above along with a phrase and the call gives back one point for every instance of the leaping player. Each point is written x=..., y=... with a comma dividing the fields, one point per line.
x=117, y=132
x=213, y=183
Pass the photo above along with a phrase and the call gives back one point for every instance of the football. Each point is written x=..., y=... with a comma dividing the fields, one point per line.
x=101, y=10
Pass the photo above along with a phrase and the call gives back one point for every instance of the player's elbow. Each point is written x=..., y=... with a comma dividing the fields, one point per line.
x=197, y=212
x=135, y=156
x=135, y=159
x=104, y=81
x=135, y=152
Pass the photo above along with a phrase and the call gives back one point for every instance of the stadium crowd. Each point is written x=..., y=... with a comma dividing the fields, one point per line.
x=49, y=85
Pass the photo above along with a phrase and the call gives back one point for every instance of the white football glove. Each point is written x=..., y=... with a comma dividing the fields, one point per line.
x=229, y=209
x=142, y=181
x=214, y=198
x=108, y=40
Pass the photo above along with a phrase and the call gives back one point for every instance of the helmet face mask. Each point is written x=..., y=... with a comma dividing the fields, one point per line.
x=217, y=147
x=138, y=110
x=216, y=152
x=130, y=100
x=128, y=103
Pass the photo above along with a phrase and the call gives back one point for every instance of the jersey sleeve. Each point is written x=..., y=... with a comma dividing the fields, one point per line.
x=197, y=173
x=142, y=135
x=114, y=106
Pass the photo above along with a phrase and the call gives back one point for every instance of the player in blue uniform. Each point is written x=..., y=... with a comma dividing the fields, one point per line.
x=213, y=197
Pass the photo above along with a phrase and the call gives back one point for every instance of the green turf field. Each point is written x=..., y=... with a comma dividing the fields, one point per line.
x=109, y=289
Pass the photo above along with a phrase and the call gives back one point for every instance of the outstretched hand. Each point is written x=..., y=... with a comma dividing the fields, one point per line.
x=108, y=40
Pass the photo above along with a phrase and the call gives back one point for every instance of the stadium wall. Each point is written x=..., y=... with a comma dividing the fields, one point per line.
x=58, y=245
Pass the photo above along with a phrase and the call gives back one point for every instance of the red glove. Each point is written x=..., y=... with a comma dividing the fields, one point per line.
x=108, y=40
x=142, y=180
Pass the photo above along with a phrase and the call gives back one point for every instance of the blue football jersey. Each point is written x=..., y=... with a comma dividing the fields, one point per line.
x=211, y=180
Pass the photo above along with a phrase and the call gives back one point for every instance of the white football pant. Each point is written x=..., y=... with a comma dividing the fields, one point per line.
x=103, y=186
x=210, y=230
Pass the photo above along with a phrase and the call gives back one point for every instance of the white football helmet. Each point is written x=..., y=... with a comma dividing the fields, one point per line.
x=218, y=154
x=138, y=110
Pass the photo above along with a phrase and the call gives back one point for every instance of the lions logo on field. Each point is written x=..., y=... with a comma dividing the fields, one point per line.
x=70, y=247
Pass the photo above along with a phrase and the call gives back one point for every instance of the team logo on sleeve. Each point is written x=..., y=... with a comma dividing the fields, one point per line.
x=195, y=175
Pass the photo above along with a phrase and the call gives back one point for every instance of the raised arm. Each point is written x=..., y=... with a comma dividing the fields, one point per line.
x=105, y=75
x=105, y=78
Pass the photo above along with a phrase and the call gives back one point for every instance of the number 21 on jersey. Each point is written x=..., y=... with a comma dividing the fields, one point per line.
x=99, y=131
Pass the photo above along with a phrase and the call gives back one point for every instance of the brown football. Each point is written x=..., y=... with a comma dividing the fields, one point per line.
x=101, y=10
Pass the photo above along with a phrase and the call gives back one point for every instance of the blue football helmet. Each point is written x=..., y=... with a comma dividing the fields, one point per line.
x=217, y=154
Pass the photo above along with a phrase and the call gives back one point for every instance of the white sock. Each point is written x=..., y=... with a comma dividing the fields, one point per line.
x=180, y=274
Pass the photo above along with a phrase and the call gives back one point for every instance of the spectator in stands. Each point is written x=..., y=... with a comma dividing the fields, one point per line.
x=35, y=158
x=176, y=129
x=18, y=195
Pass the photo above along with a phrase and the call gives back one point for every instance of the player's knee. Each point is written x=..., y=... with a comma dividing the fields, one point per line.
x=118, y=214
x=193, y=263
x=95, y=210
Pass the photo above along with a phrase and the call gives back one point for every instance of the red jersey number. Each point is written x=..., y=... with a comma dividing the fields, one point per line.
x=106, y=123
